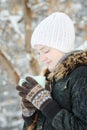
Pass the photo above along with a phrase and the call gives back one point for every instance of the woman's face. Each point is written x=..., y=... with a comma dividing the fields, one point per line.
x=48, y=56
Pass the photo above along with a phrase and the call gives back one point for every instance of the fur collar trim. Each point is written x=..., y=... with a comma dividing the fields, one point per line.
x=67, y=64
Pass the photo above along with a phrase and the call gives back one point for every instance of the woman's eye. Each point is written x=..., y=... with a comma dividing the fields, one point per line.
x=46, y=51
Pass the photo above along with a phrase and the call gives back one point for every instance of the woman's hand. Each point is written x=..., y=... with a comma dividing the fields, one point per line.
x=34, y=93
x=27, y=108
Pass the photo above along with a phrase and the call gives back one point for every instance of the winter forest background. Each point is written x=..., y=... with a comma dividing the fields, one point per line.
x=18, y=18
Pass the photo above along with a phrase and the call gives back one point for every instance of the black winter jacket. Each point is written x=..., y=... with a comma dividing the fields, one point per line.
x=69, y=90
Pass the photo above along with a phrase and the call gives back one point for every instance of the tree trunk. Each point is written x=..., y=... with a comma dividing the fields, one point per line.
x=35, y=69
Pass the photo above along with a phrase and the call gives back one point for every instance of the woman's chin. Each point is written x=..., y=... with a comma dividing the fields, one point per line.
x=51, y=68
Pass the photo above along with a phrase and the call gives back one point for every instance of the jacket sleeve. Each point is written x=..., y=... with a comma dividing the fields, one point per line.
x=62, y=119
x=28, y=121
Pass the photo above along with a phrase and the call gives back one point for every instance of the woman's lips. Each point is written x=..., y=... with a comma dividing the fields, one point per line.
x=48, y=62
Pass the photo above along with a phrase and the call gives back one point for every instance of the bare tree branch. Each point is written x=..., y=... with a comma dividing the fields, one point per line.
x=12, y=73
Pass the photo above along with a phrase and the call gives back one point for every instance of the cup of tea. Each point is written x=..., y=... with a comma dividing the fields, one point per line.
x=39, y=78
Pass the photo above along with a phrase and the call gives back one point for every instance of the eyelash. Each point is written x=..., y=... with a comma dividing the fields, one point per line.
x=43, y=52
x=46, y=51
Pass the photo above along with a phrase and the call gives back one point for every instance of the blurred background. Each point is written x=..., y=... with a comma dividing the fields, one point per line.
x=18, y=18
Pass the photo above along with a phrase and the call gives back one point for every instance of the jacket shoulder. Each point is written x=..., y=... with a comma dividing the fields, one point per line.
x=80, y=71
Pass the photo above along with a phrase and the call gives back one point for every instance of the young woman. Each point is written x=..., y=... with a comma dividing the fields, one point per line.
x=62, y=104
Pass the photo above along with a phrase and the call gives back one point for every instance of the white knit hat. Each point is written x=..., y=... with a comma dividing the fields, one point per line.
x=55, y=31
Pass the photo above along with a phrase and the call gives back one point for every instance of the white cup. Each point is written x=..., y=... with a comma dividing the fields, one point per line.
x=40, y=79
